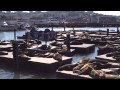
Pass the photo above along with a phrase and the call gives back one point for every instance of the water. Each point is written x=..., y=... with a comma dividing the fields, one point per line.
x=6, y=73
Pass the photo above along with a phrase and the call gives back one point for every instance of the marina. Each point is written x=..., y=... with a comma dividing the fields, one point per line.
x=59, y=45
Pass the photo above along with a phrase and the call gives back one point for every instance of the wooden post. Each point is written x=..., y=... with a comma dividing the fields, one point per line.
x=68, y=42
x=73, y=31
x=14, y=34
x=15, y=54
x=26, y=38
x=73, y=28
x=117, y=30
x=52, y=28
x=107, y=32
x=99, y=32
x=64, y=26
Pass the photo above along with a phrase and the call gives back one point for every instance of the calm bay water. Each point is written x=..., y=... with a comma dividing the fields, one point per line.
x=6, y=73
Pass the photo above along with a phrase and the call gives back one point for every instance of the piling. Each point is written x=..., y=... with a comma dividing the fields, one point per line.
x=14, y=34
x=64, y=26
x=15, y=55
x=26, y=38
x=68, y=41
x=107, y=32
x=73, y=31
x=52, y=28
x=117, y=30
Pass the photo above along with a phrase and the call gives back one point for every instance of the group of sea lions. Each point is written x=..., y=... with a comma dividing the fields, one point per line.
x=115, y=55
x=108, y=48
x=93, y=68
x=55, y=56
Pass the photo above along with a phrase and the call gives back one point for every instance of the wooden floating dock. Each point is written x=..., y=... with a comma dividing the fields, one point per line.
x=105, y=58
x=97, y=36
x=71, y=75
x=36, y=63
x=83, y=47
x=48, y=64
x=7, y=47
x=60, y=40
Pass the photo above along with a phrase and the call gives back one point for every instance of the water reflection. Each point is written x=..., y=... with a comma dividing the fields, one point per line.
x=16, y=75
x=2, y=35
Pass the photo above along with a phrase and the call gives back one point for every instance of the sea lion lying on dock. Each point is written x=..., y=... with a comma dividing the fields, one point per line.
x=83, y=61
x=97, y=60
x=98, y=66
x=75, y=43
x=67, y=67
x=78, y=67
x=97, y=74
x=109, y=55
x=110, y=76
x=107, y=46
x=50, y=55
x=24, y=57
x=53, y=43
x=45, y=47
x=3, y=53
x=85, y=70
x=57, y=57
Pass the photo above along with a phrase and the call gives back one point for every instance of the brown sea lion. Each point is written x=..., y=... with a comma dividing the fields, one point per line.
x=67, y=67
x=23, y=57
x=53, y=43
x=109, y=55
x=57, y=57
x=97, y=65
x=97, y=60
x=46, y=54
x=110, y=76
x=78, y=67
x=50, y=55
x=97, y=74
x=83, y=60
x=85, y=70
x=3, y=53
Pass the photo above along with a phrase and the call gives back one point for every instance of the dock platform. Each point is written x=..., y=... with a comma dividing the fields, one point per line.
x=105, y=58
x=71, y=75
x=39, y=63
x=84, y=48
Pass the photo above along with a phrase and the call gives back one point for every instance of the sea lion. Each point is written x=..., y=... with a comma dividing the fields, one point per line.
x=3, y=53
x=23, y=57
x=78, y=67
x=83, y=60
x=97, y=74
x=53, y=43
x=97, y=60
x=97, y=65
x=67, y=67
x=109, y=55
x=110, y=76
x=86, y=69
x=43, y=47
x=76, y=43
x=57, y=57
x=47, y=54
x=50, y=55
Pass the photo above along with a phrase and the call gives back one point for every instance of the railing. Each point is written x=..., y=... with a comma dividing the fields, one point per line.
x=80, y=25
